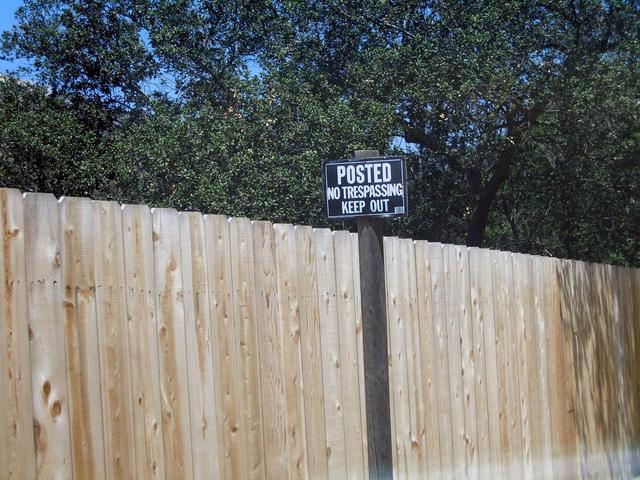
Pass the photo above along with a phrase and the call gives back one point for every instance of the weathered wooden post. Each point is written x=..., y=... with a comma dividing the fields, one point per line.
x=368, y=187
x=374, y=338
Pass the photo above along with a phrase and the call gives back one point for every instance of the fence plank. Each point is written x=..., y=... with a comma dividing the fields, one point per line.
x=113, y=341
x=461, y=436
x=355, y=266
x=246, y=331
x=17, y=455
x=467, y=347
x=428, y=360
x=346, y=311
x=174, y=377
x=81, y=338
x=397, y=317
x=199, y=339
x=270, y=350
x=330, y=345
x=526, y=362
x=506, y=341
x=415, y=390
x=624, y=336
x=223, y=328
x=143, y=341
x=436, y=258
x=484, y=339
x=570, y=434
x=634, y=390
x=541, y=412
x=46, y=331
x=285, y=243
x=618, y=466
x=310, y=333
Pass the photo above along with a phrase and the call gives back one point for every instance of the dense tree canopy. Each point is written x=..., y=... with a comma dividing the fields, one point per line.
x=521, y=119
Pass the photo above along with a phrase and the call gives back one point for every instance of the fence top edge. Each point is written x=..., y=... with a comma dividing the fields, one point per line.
x=66, y=199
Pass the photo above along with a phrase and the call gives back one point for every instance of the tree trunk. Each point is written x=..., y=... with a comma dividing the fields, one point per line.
x=480, y=215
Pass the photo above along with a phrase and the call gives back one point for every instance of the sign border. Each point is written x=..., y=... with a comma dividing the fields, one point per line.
x=403, y=161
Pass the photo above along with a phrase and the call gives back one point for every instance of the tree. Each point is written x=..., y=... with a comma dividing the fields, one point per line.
x=45, y=146
x=233, y=106
x=89, y=52
x=463, y=81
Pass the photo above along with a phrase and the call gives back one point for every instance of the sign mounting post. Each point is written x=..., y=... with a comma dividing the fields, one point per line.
x=369, y=187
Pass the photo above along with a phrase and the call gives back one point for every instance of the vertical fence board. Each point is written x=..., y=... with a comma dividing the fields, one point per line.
x=246, y=331
x=330, y=345
x=223, y=330
x=346, y=311
x=174, y=376
x=46, y=331
x=541, y=412
x=436, y=259
x=569, y=421
x=397, y=317
x=310, y=333
x=468, y=361
x=611, y=360
x=625, y=370
x=113, y=341
x=414, y=361
x=17, y=454
x=81, y=338
x=634, y=390
x=285, y=244
x=526, y=361
x=461, y=438
x=199, y=338
x=506, y=344
x=399, y=462
x=270, y=350
x=355, y=266
x=489, y=454
x=311, y=354
x=428, y=352
x=143, y=341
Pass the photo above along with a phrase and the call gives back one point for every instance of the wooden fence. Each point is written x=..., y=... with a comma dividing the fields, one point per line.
x=156, y=344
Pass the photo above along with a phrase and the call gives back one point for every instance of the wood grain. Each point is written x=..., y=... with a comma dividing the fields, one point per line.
x=526, y=362
x=484, y=339
x=285, y=243
x=428, y=360
x=330, y=347
x=46, y=345
x=246, y=332
x=506, y=354
x=199, y=340
x=355, y=268
x=174, y=376
x=17, y=455
x=311, y=354
x=435, y=252
x=397, y=316
x=223, y=332
x=143, y=341
x=270, y=350
x=113, y=342
x=346, y=311
x=81, y=337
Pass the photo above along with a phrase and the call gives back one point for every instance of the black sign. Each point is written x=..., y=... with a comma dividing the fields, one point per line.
x=371, y=187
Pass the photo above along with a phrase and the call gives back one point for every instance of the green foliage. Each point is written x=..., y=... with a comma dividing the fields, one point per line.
x=520, y=118
x=44, y=145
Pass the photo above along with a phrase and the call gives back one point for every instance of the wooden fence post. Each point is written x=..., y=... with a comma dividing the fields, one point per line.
x=374, y=338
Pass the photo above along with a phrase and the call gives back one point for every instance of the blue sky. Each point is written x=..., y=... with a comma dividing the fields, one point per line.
x=7, y=9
